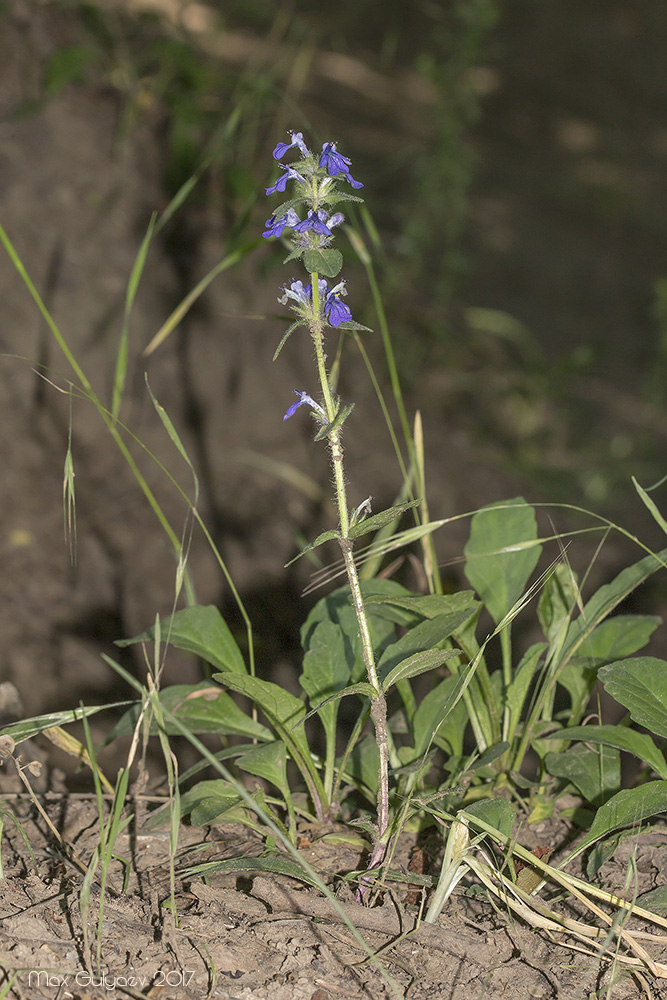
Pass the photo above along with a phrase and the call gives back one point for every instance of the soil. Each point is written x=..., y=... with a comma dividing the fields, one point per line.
x=76, y=202
x=251, y=936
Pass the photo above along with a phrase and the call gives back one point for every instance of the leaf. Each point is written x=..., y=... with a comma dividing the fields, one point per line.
x=501, y=554
x=338, y=421
x=326, y=536
x=282, y=709
x=619, y=636
x=200, y=630
x=268, y=762
x=20, y=731
x=327, y=263
x=629, y=807
x=274, y=863
x=285, y=337
x=499, y=813
x=203, y=708
x=424, y=636
x=418, y=663
x=519, y=686
x=556, y=604
x=640, y=685
x=428, y=606
x=608, y=597
x=639, y=744
x=379, y=520
x=597, y=774
x=429, y=718
x=327, y=669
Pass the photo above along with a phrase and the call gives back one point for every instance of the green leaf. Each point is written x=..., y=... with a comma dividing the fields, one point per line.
x=379, y=520
x=429, y=718
x=608, y=597
x=326, y=536
x=203, y=708
x=428, y=606
x=501, y=554
x=200, y=630
x=275, y=863
x=619, y=636
x=327, y=669
x=424, y=636
x=655, y=900
x=556, y=604
x=640, y=685
x=629, y=807
x=597, y=774
x=20, y=731
x=519, y=686
x=268, y=762
x=285, y=337
x=340, y=418
x=499, y=813
x=418, y=663
x=639, y=744
x=327, y=263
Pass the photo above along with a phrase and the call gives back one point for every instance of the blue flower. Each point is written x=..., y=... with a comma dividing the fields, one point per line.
x=336, y=163
x=289, y=174
x=304, y=400
x=336, y=311
x=274, y=226
x=316, y=222
x=297, y=140
x=298, y=292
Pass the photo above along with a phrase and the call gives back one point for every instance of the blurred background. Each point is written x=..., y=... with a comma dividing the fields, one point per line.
x=514, y=159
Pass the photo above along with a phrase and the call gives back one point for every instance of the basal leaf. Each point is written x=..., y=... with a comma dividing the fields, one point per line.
x=501, y=554
x=596, y=773
x=268, y=762
x=424, y=636
x=640, y=685
x=639, y=744
x=629, y=807
x=200, y=630
x=619, y=636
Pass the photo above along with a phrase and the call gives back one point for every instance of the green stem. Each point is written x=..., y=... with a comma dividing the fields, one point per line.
x=378, y=701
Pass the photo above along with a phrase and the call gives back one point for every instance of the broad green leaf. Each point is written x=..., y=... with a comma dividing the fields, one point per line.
x=379, y=520
x=578, y=678
x=556, y=604
x=216, y=789
x=327, y=669
x=363, y=764
x=268, y=762
x=655, y=900
x=282, y=708
x=418, y=663
x=326, y=263
x=499, y=813
x=428, y=606
x=20, y=731
x=596, y=773
x=429, y=718
x=200, y=630
x=203, y=708
x=640, y=685
x=608, y=597
x=424, y=636
x=501, y=554
x=518, y=687
x=639, y=744
x=629, y=807
x=619, y=636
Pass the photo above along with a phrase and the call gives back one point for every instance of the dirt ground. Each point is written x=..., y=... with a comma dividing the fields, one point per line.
x=76, y=206
x=252, y=936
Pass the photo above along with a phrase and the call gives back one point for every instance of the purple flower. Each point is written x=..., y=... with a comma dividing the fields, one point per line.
x=274, y=226
x=298, y=292
x=316, y=222
x=297, y=140
x=336, y=163
x=303, y=400
x=289, y=174
x=336, y=311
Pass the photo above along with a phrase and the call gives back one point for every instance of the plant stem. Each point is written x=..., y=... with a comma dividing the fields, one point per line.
x=378, y=701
